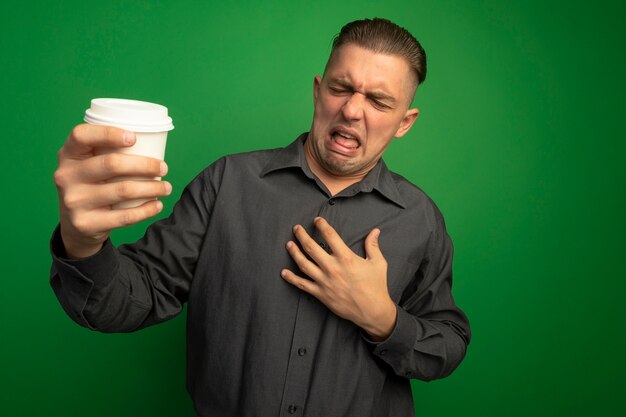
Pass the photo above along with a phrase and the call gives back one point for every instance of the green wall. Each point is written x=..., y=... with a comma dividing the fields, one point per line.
x=520, y=142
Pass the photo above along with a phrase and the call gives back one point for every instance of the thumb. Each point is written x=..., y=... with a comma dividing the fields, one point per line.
x=372, y=249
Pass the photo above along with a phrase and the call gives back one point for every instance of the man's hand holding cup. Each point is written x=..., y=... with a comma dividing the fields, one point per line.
x=109, y=177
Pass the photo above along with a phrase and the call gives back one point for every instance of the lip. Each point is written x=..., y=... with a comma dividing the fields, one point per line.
x=348, y=131
x=339, y=148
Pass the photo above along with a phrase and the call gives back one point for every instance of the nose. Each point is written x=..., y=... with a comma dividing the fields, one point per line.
x=353, y=107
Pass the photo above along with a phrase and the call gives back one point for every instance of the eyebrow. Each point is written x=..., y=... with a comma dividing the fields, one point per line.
x=379, y=95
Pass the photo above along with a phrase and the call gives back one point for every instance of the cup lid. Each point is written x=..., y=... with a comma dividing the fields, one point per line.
x=134, y=115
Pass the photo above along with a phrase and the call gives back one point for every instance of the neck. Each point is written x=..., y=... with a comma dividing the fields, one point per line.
x=334, y=182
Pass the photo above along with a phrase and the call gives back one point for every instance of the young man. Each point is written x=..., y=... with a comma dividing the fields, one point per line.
x=318, y=282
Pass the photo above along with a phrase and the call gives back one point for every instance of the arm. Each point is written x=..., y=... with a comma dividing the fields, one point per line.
x=97, y=285
x=141, y=284
x=431, y=334
x=423, y=337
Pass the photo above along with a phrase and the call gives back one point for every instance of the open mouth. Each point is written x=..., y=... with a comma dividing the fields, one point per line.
x=344, y=141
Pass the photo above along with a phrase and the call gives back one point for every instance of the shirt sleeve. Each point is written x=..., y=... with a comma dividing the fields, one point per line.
x=125, y=289
x=431, y=334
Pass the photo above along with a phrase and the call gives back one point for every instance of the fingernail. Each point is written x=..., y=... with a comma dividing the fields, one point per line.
x=163, y=168
x=283, y=273
x=168, y=188
x=129, y=137
x=159, y=206
x=289, y=244
x=295, y=228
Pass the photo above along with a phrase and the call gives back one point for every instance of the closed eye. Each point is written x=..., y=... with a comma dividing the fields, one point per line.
x=339, y=90
x=380, y=105
x=378, y=100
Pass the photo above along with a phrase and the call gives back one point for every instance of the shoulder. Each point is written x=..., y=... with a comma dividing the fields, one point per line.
x=250, y=160
x=245, y=162
x=417, y=200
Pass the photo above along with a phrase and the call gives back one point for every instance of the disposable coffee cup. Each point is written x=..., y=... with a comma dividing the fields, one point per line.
x=149, y=121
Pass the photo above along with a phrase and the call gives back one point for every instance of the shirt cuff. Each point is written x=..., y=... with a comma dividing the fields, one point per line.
x=399, y=345
x=98, y=265
x=73, y=280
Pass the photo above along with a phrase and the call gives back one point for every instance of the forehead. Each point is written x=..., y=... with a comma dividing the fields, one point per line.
x=368, y=69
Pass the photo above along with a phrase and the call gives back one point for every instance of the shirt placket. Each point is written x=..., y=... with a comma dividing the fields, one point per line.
x=307, y=330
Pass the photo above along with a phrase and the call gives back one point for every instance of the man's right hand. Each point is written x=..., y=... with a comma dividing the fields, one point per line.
x=86, y=196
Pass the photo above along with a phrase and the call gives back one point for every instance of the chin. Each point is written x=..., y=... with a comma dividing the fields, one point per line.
x=339, y=167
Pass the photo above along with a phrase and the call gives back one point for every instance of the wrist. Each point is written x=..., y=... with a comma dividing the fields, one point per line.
x=381, y=328
x=77, y=249
x=82, y=253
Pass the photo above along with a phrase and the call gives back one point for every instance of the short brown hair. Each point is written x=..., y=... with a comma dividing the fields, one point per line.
x=385, y=37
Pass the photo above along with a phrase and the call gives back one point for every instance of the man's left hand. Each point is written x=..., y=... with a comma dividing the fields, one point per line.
x=352, y=287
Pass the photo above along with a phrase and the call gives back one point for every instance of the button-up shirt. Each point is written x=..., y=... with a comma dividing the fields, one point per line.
x=256, y=345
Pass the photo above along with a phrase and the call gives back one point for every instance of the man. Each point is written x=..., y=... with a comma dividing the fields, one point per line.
x=364, y=303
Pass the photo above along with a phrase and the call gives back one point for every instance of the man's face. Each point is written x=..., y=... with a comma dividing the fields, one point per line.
x=361, y=104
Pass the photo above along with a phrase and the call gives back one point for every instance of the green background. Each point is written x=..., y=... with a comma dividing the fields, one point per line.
x=520, y=142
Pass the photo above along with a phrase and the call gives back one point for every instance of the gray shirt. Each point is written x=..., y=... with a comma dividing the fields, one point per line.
x=256, y=345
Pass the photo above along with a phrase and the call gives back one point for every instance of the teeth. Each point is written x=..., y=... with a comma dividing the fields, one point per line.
x=345, y=135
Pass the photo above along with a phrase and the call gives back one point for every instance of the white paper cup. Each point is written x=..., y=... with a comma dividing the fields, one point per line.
x=149, y=121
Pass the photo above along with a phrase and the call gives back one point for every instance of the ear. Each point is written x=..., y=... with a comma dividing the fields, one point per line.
x=317, y=81
x=407, y=122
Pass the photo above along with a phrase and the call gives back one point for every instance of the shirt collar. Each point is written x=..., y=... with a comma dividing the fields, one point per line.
x=379, y=178
x=291, y=156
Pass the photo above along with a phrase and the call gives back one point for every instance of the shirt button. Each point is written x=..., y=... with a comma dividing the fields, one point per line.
x=292, y=409
x=302, y=351
x=383, y=352
x=331, y=202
